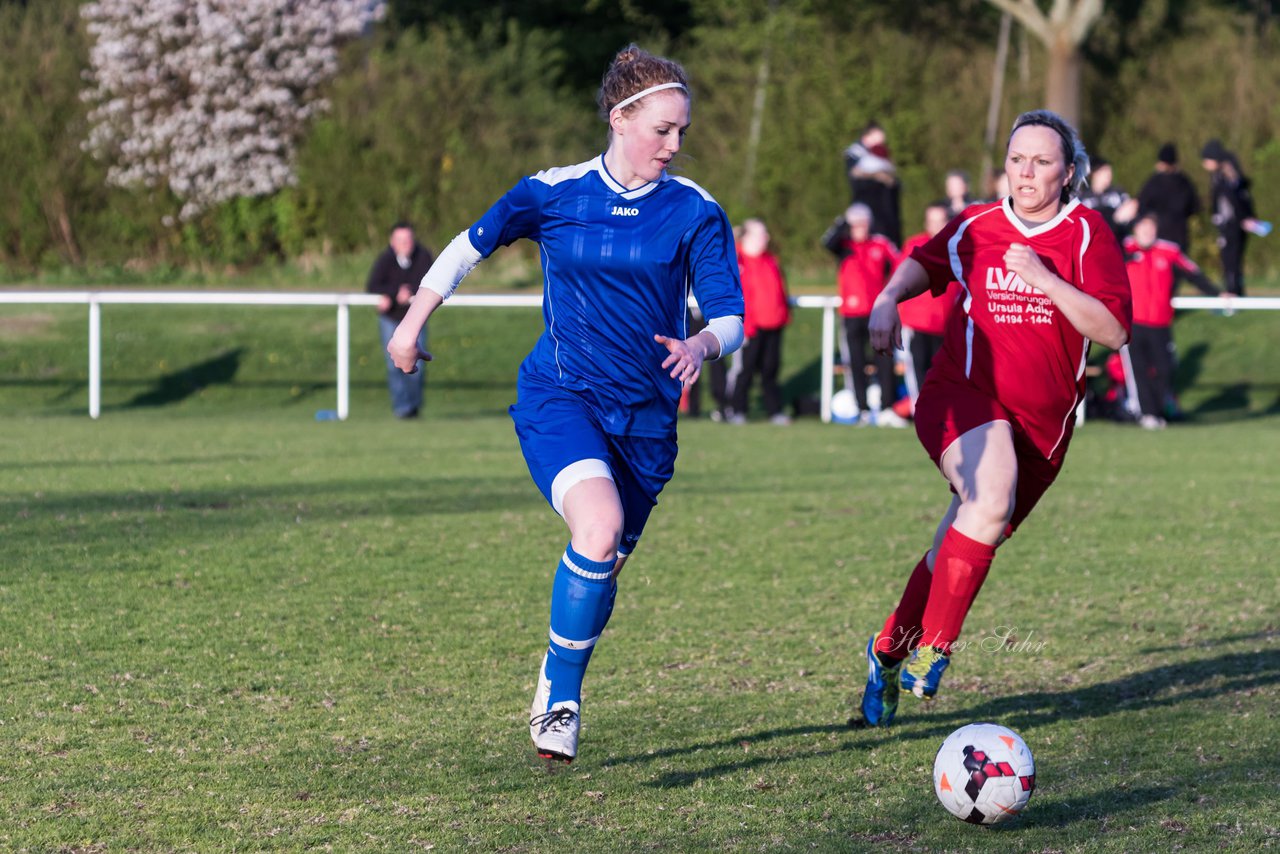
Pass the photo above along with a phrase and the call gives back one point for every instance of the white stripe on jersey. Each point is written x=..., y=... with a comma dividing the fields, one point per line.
x=957, y=269
x=1084, y=354
x=551, y=310
x=557, y=174
x=1084, y=351
x=686, y=182
x=1084, y=247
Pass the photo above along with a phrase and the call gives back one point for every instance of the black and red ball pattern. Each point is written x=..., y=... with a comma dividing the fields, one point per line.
x=981, y=769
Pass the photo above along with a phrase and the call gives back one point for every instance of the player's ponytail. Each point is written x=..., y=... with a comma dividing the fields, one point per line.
x=1073, y=152
x=634, y=74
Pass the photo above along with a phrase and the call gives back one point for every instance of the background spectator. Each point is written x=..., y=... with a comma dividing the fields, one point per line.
x=718, y=375
x=866, y=261
x=394, y=277
x=924, y=317
x=1231, y=207
x=764, y=290
x=1115, y=205
x=956, y=188
x=873, y=181
x=1170, y=195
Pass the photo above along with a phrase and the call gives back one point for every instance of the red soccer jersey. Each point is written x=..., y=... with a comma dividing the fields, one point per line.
x=926, y=312
x=1151, y=275
x=1009, y=341
x=764, y=292
x=864, y=273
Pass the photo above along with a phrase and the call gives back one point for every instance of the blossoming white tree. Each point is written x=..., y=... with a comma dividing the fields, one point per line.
x=209, y=97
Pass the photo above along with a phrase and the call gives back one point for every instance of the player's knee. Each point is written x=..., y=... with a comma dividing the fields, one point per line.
x=992, y=507
x=597, y=538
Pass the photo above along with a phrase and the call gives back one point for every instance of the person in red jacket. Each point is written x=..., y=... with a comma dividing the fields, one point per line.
x=764, y=290
x=924, y=317
x=1154, y=266
x=866, y=262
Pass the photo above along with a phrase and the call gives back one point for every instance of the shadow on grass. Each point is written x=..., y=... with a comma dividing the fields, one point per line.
x=1160, y=687
x=132, y=461
x=1189, y=367
x=804, y=383
x=87, y=518
x=178, y=385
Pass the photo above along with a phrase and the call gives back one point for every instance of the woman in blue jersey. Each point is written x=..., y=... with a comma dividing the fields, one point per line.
x=621, y=243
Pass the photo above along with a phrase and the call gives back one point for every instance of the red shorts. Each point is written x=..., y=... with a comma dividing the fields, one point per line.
x=946, y=411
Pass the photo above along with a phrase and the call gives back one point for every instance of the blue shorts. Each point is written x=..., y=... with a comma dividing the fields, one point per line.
x=563, y=445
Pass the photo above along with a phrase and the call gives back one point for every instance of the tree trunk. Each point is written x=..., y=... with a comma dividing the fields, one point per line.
x=997, y=100
x=1062, y=86
x=60, y=221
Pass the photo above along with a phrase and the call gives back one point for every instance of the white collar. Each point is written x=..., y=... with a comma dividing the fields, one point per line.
x=613, y=184
x=1007, y=207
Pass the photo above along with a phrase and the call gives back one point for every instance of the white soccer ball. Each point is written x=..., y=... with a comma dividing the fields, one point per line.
x=984, y=773
x=844, y=406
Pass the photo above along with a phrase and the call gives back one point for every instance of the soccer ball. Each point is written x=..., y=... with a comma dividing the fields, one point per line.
x=984, y=773
x=844, y=407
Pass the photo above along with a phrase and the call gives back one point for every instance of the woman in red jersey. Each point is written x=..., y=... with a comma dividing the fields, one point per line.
x=1041, y=276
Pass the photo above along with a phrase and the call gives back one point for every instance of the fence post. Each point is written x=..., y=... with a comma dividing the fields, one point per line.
x=828, y=360
x=344, y=366
x=95, y=357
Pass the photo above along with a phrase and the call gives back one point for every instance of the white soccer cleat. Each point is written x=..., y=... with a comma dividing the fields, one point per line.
x=554, y=731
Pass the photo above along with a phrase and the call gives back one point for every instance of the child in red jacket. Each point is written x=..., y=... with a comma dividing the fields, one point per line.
x=924, y=317
x=764, y=291
x=1154, y=266
x=866, y=262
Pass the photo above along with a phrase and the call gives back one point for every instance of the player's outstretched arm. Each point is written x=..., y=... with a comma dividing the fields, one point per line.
x=909, y=280
x=458, y=259
x=403, y=346
x=685, y=356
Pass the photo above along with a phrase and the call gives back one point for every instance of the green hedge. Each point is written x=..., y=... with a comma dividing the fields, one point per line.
x=434, y=124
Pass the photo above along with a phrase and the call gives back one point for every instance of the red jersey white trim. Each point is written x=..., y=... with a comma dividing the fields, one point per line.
x=1010, y=342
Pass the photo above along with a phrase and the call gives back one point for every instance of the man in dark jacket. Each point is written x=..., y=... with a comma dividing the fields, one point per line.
x=394, y=278
x=1170, y=195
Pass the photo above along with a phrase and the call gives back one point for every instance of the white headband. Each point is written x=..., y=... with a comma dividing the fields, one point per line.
x=625, y=102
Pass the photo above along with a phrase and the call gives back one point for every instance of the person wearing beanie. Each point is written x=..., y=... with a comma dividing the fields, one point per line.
x=1170, y=195
x=1231, y=208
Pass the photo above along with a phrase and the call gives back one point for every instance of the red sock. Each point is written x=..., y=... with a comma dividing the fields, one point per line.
x=958, y=572
x=902, y=629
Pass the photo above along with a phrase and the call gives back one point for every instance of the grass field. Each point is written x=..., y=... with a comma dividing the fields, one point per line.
x=226, y=626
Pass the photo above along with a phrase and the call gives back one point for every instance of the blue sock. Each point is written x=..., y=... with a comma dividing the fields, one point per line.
x=581, y=602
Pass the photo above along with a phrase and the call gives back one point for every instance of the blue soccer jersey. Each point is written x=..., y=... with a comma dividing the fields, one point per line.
x=617, y=266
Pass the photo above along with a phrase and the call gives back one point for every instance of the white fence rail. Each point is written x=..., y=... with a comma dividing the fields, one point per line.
x=342, y=302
